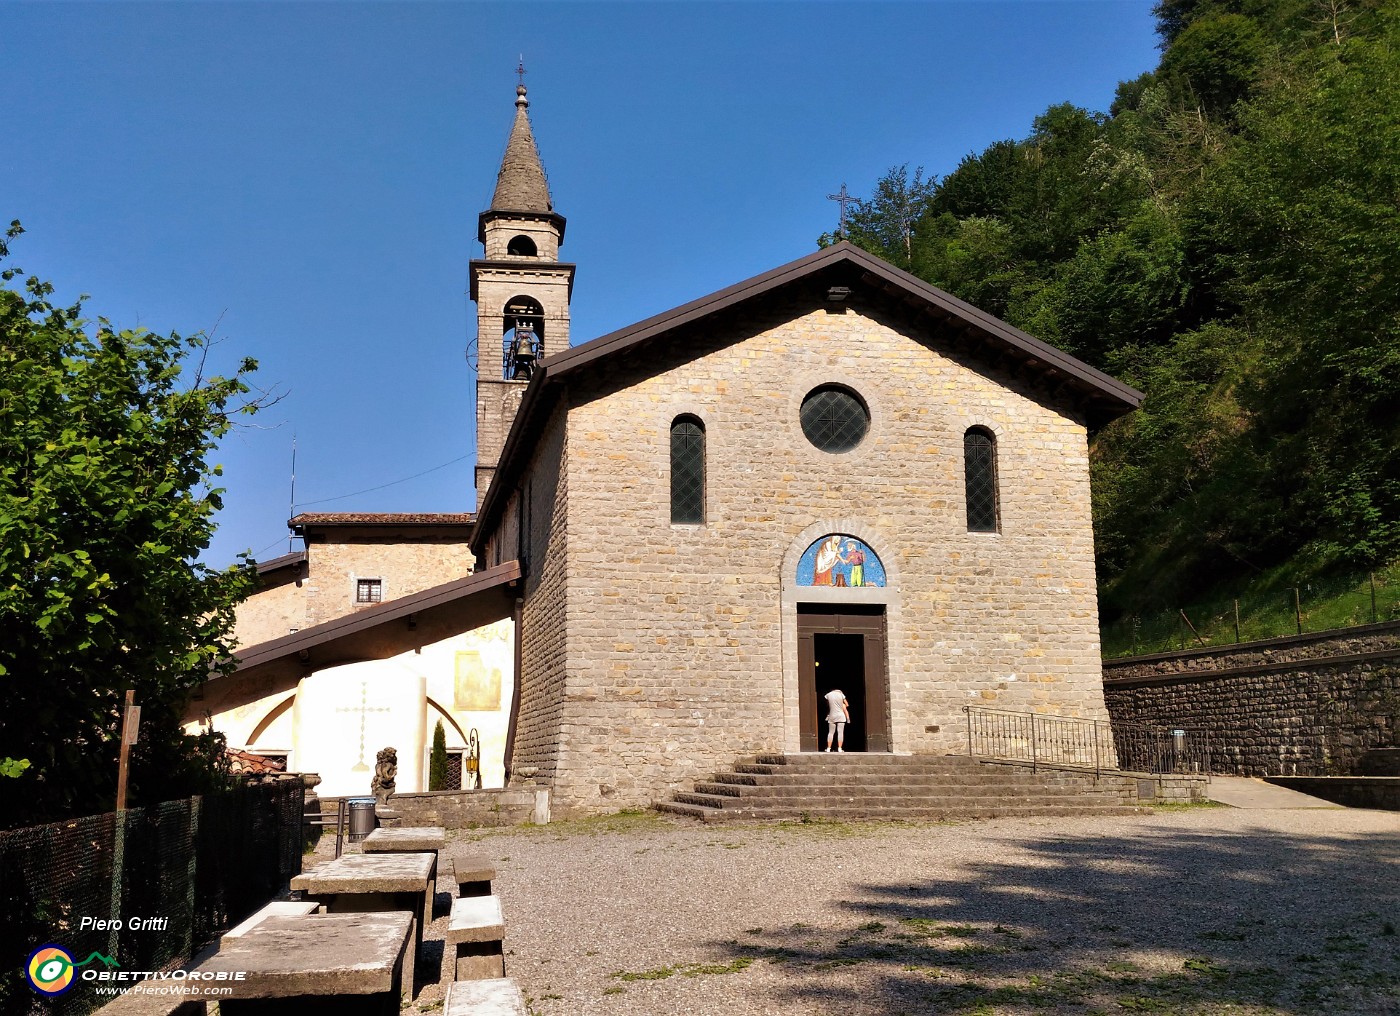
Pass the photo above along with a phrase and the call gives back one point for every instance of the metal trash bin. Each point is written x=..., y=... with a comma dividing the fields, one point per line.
x=361, y=818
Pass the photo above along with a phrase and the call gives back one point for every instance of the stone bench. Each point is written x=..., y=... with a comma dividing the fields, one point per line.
x=476, y=933
x=405, y=840
x=278, y=908
x=473, y=875
x=493, y=996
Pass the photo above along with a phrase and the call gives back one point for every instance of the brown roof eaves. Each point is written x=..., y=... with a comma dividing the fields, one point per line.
x=285, y=561
x=388, y=629
x=323, y=520
x=581, y=355
x=553, y=372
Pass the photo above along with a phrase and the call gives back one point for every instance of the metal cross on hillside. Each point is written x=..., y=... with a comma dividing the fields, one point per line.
x=520, y=70
x=844, y=199
x=362, y=709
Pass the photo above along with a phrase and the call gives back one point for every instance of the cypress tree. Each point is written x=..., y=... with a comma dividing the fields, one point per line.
x=437, y=761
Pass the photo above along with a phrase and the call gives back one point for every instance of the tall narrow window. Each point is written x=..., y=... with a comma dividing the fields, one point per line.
x=687, y=471
x=980, y=477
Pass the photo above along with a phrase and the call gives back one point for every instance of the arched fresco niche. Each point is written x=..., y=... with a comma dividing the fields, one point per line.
x=842, y=561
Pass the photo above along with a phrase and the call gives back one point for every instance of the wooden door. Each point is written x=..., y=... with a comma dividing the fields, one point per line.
x=844, y=619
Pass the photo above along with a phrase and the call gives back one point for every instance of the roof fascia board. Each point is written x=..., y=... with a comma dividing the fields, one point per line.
x=578, y=356
x=994, y=325
x=385, y=613
x=554, y=370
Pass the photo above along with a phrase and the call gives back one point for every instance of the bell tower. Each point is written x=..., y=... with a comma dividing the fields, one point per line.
x=520, y=288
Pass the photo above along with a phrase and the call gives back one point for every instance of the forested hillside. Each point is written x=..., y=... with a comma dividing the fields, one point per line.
x=1226, y=237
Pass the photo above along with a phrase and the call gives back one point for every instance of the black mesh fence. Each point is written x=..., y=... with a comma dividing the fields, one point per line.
x=141, y=891
x=1314, y=606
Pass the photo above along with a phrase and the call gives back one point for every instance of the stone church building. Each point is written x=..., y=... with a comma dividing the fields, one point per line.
x=831, y=475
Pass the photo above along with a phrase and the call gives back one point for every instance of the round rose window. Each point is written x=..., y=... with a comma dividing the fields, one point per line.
x=834, y=418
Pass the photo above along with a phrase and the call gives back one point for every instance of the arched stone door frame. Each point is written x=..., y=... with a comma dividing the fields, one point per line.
x=887, y=596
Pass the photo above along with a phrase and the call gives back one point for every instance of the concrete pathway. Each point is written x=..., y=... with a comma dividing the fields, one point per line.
x=1244, y=792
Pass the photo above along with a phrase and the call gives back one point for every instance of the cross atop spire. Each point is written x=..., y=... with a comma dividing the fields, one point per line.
x=521, y=184
x=520, y=70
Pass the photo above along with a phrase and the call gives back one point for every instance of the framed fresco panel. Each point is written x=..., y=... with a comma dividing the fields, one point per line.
x=840, y=560
x=476, y=688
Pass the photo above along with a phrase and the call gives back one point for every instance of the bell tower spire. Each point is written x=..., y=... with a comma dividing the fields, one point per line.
x=521, y=288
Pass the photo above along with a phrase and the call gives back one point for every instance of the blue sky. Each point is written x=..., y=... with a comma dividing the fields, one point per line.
x=306, y=177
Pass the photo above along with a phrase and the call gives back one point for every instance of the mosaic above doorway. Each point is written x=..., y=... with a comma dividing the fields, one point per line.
x=841, y=561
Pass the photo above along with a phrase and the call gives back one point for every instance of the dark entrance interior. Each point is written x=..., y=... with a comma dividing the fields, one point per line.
x=839, y=661
x=842, y=646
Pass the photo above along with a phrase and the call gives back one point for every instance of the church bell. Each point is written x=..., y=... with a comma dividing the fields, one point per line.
x=525, y=350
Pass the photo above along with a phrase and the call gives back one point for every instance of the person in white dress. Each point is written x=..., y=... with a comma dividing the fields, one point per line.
x=838, y=714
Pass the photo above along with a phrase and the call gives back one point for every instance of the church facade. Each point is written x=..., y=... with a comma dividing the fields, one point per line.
x=831, y=476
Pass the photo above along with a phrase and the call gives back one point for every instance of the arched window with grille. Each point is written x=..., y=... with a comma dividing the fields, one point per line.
x=687, y=471
x=980, y=479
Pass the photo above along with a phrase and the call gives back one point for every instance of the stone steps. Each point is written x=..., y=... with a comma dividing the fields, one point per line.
x=782, y=795
x=894, y=813
x=902, y=782
x=871, y=786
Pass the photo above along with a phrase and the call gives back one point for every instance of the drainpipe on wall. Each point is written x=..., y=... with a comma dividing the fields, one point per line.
x=517, y=617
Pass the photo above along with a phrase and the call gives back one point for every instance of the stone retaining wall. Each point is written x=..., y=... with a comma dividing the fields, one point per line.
x=465, y=809
x=1125, y=788
x=1304, y=705
x=1352, y=791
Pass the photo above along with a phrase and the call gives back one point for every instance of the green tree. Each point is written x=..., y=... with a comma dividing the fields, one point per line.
x=1302, y=220
x=106, y=499
x=884, y=223
x=437, y=760
x=1215, y=61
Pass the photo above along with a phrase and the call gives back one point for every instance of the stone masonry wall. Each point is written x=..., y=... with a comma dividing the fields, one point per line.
x=1382, y=792
x=544, y=647
x=405, y=565
x=1308, y=705
x=676, y=634
x=497, y=402
x=271, y=613
x=457, y=809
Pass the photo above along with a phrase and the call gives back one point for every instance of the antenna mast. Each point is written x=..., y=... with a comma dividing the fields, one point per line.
x=292, y=497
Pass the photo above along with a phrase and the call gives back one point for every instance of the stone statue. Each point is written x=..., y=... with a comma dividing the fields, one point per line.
x=386, y=768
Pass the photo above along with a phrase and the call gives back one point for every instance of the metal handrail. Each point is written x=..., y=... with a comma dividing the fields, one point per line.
x=341, y=821
x=1071, y=742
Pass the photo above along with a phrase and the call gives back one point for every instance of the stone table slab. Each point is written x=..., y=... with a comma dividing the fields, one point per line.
x=278, y=908
x=377, y=883
x=475, y=919
x=404, y=839
x=497, y=996
x=369, y=873
x=318, y=954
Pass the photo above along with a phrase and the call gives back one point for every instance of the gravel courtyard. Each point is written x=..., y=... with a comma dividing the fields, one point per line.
x=1195, y=910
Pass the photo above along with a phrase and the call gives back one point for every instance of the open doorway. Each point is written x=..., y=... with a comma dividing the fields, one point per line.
x=839, y=661
x=842, y=646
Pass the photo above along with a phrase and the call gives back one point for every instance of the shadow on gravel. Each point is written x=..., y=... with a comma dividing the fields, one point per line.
x=1165, y=921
